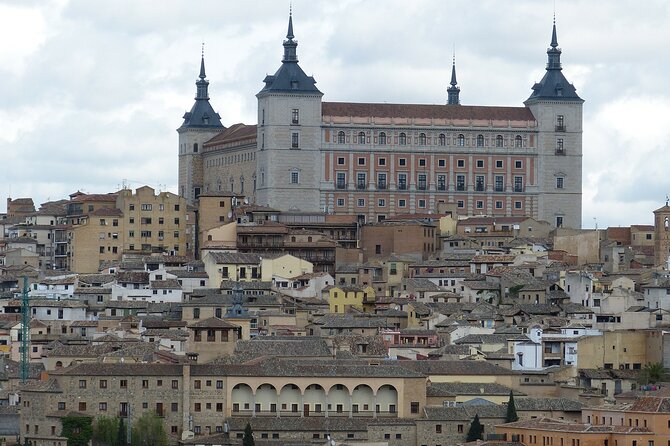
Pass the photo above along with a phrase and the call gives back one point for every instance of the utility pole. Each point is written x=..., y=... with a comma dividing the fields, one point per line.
x=25, y=331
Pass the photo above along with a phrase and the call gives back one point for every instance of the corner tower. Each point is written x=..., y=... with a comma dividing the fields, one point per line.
x=558, y=111
x=289, y=135
x=454, y=91
x=662, y=236
x=200, y=124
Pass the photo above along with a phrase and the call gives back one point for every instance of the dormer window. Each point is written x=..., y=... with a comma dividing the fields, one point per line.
x=294, y=85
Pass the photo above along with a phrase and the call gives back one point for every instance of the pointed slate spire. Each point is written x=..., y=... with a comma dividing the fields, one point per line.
x=290, y=45
x=202, y=63
x=453, y=91
x=554, y=52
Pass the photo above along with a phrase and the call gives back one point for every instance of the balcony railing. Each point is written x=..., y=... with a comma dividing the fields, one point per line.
x=560, y=128
x=560, y=152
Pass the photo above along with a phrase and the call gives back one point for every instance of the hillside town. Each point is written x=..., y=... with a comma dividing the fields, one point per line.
x=341, y=274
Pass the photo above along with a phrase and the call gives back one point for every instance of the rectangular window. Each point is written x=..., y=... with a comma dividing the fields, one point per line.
x=340, y=201
x=402, y=161
x=559, y=146
x=499, y=204
x=460, y=163
x=441, y=182
x=102, y=407
x=82, y=383
x=360, y=180
x=422, y=162
x=422, y=203
x=479, y=204
x=559, y=222
x=559, y=182
x=381, y=202
x=442, y=163
x=381, y=161
x=460, y=182
x=518, y=164
x=460, y=204
x=517, y=205
x=518, y=184
x=145, y=206
x=480, y=164
x=361, y=202
x=479, y=183
x=103, y=383
x=381, y=181
x=341, y=180
x=422, y=182
x=295, y=116
x=295, y=140
x=402, y=181
x=295, y=177
x=402, y=203
x=340, y=161
x=499, y=183
x=560, y=123
x=499, y=164
x=361, y=161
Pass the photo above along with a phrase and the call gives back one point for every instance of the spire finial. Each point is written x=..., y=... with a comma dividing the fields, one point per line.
x=554, y=39
x=202, y=62
x=289, y=34
x=453, y=91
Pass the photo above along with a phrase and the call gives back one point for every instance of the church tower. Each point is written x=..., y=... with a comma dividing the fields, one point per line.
x=662, y=236
x=200, y=124
x=454, y=91
x=288, y=168
x=558, y=111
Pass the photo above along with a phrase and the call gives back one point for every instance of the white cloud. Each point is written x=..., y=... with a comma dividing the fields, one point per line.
x=92, y=92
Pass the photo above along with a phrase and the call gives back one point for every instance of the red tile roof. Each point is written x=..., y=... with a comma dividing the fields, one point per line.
x=425, y=111
x=236, y=132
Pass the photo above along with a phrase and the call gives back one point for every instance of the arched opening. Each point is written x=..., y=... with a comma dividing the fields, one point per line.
x=289, y=400
x=461, y=140
x=362, y=401
x=314, y=401
x=242, y=399
x=518, y=141
x=266, y=400
x=480, y=140
x=499, y=141
x=338, y=400
x=340, y=137
x=402, y=138
x=422, y=139
x=382, y=138
x=387, y=401
x=361, y=137
x=442, y=139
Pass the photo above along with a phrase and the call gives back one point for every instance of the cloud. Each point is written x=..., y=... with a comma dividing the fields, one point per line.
x=92, y=92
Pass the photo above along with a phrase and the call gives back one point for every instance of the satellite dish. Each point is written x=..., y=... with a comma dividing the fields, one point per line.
x=246, y=200
x=187, y=435
x=230, y=214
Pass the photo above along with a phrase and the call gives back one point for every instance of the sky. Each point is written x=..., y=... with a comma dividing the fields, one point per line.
x=91, y=92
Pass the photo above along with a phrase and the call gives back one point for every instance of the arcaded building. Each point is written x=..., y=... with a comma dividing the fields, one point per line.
x=377, y=160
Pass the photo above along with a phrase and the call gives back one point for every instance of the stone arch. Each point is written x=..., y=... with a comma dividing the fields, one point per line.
x=242, y=399
x=363, y=400
x=266, y=399
x=289, y=400
x=339, y=400
x=314, y=400
x=387, y=399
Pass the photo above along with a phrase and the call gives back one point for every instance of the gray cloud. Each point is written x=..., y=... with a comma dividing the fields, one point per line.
x=92, y=92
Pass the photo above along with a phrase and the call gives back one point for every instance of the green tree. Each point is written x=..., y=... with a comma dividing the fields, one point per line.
x=476, y=430
x=77, y=429
x=148, y=430
x=122, y=433
x=653, y=373
x=511, y=410
x=106, y=431
x=248, y=439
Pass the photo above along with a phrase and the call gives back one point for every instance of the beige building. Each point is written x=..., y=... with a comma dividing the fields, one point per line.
x=624, y=349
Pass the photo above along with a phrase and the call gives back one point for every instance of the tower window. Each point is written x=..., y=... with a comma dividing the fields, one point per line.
x=195, y=147
x=295, y=177
x=560, y=123
x=559, y=221
x=295, y=116
x=559, y=182
x=559, y=147
x=295, y=140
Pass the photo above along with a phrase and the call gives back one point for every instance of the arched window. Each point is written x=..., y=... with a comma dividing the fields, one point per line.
x=422, y=139
x=443, y=139
x=518, y=141
x=309, y=239
x=480, y=140
x=340, y=138
x=499, y=141
x=402, y=139
x=361, y=137
x=382, y=138
x=461, y=140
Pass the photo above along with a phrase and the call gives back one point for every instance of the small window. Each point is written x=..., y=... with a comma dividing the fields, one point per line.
x=361, y=137
x=382, y=138
x=381, y=161
x=361, y=202
x=480, y=140
x=460, y=163
x=422, y=203
x=295, y=178
x=442, y=163
x=518, y=164
x=559, y=183
x=295, y=116
x=402, y=139
x=402, y=161
x=461, y=140
x=499, y=141
x=422, y=139
x=518, y=141
x=340, y=161
x=460, y=204
x=499, y=164
x=442, y=139
x=295, y=140
x=340, y=139
x=402, y=203
x=361, y=161
x=480, y=164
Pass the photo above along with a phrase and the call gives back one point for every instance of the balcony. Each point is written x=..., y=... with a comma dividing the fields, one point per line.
x=560, y=152
x=560, y=128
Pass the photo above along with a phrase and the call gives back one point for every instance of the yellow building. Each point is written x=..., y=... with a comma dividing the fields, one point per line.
x=625, y=349
x=155, y=223
x=97, y=238
x=342, y=297
x=285, y=266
